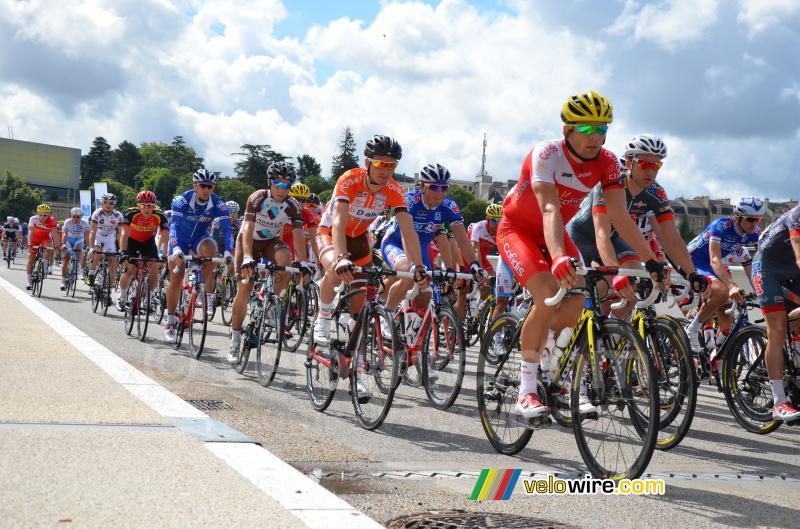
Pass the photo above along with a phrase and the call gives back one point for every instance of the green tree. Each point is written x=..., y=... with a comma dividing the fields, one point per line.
x=460, y=195
x=307, y=166
x=96, y=162
x=184, y=184
x=317, y=184
x=347, y=157
x=161, y=182
x=182, y=159
x=252, y=170
x=154, y=154
x=474, y=211
x=126, y=195
x=234, y=189
x=17, y=198
x=127, y=162
x=325, y=195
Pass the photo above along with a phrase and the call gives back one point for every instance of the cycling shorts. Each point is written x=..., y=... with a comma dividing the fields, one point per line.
x=504, y=283
x=358, y=247
x=261, y=249
x=526, y=253
x=703, y=266
x=75, y=243
x=190, y=246
x=143, y=249
x=38, y=239
x=590, y=254
x=769, y=279
x=392, y=252
x=106, y=243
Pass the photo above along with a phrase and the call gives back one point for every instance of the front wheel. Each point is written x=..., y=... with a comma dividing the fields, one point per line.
x=228, y=295
x=618, y=438
x=129, y=316
x=745, y=382
x=443, y=358
x=198, y=320
x=270, y=341
x=294, y=313
x=321, y=376
x=143, y=309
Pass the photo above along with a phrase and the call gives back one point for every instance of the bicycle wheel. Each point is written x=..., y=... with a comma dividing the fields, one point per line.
x=618, y=440
x=247, y=340
x=143, y=309
x=498, y=389
x=105, y=289
x=95, y=292
x=160, y=300
x=372, y=368
x=180, y=316
x=198, y=320
x=129, y=316
x=294, y=314
x=228, y=295
x=745, y=382
x=443, y=358
x=485, y=317
x=321, y=376
x=73, y=279
x=674, y=367
x=270, y=341
x=311, y=297
x=39, y=281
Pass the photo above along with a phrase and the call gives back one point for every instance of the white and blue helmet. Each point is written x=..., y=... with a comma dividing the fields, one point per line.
x=204, y=176
x=750, y=207
x=434, y=173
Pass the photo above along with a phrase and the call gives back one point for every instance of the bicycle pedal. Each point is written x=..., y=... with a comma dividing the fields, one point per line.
x=537, y=423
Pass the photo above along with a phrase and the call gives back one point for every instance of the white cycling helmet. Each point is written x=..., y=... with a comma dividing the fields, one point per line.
x=76, y=211
x=750, y=207
x=233, y=207
x=645, y=144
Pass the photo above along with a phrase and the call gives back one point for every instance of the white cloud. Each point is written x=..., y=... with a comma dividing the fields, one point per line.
x=668, y=23
x=758, y=15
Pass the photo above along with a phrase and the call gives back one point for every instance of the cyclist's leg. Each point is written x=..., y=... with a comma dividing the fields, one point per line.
x=65, y=258
x=280, y=255
x=503, y=288
x=177, y=268
x=394, y=256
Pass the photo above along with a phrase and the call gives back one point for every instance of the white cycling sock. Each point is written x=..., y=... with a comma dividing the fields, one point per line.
x=236, y=336
x=778, y=393
x=527, y=377
x=325, y=310
x=123, y=293
x=170, y=318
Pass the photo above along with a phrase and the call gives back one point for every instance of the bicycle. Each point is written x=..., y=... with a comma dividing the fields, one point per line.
x=434, y=344
x=9, y=253
x=159, y=298
x=265, y=330
x=606, y=360
x=295, y=311
x=71, y=281
x=101, y=287
x=358, y=352
x=224, y=294
x=39, y=271
x=745, y=382
x=138, y=303
x=191, y=310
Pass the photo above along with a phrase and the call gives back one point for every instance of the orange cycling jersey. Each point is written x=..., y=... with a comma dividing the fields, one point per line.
x=365, y=205
x=142, y=228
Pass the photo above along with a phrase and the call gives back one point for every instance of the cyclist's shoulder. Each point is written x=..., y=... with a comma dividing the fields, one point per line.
x=658, y=191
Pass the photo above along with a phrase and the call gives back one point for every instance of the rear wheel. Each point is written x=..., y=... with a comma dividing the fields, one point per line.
x=180, y=316
x=129, y=316
x=443, y=358
x=105, y=289
x=294, y=314
x=745, y=382
x=270, y=341
x=228, y=295
x=143, y=310
x=198, y=320
x=321, y=377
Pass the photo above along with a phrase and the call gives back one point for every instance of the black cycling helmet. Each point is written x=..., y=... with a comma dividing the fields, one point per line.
x=283, y=170
x=383, y=146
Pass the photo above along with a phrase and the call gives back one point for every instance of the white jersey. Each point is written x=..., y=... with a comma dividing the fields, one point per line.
x=75, y=229
x=107, y=223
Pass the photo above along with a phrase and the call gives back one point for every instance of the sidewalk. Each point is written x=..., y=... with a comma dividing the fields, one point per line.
x=86, y=440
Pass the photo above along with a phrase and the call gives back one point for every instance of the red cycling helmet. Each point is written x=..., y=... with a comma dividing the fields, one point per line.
x=146, y=197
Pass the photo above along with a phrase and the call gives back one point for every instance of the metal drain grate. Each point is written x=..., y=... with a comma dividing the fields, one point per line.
x=210, y=404
x=471, y=520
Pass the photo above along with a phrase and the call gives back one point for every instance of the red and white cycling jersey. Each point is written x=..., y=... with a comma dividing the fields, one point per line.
x=479, y=232
x=548, y=162
x=42, y=228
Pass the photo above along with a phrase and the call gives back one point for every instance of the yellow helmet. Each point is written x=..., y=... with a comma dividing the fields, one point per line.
x=588, y=106
x=42, y=208
x=300, y=190
x=494, y=211
x=60, y=222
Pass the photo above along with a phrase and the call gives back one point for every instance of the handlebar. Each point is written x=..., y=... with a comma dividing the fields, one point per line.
x=608, y=270
x=200, y=260
x=272, y=267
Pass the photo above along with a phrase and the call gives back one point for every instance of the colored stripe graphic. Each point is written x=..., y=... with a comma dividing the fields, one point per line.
x=495, y=484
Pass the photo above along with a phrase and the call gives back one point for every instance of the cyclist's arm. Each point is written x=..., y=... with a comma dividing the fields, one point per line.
x=124, y=233
x=312, y=234
x=445, y=252
x=795, y=240
x=92, y=234
x=628, y=230
x=248, y=227
x=748, y=270
x=468, y=248
x=674, y=246
x=341, y=212
x=299, y=243
x=719, y=268
x=410, y=237
x=552, y=221
x=602, y=237
x=163, y=238
x=54, y=236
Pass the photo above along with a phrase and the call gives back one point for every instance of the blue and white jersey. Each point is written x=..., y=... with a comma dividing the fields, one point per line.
x=191, y=219
x=724, y=231
x=427, y=222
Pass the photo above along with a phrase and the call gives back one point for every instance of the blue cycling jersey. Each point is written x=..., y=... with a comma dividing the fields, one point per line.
x=724, y=231
x=427, y=222
x=191, y=220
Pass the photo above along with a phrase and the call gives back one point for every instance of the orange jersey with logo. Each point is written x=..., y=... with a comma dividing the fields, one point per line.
x=365, y=205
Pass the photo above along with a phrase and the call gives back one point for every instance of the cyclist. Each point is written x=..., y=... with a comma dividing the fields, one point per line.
x=359, y=197
x=315, y=210
x=482, y=235
x=429, y=208
x=710, y=249
x=10, y=230
x=74, y=238
x=41, y=231
x=300, y=192
x=137, y=238
x=777, y=263
x=104, y=223
x=267, y=212
x=192, y=214
x=647, y=204
x=556, y=176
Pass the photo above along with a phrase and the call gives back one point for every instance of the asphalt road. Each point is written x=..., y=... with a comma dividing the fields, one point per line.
x=720, y=476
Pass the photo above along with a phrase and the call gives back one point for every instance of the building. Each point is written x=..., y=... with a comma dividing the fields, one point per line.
x=698, y=212
x=52, y=168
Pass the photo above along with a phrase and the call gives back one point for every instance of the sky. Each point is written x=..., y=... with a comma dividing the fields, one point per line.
x=718, y=80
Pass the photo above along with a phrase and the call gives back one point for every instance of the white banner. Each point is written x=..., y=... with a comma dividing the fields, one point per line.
x=100, y=189
x=86, y=202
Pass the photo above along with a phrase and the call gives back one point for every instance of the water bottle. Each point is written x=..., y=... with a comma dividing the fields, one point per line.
x=545, y=363
x=344, y=326
x=561, y=344
x=708, y=338
x=413, y=323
